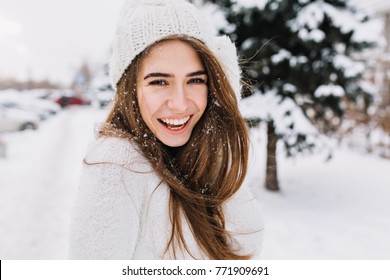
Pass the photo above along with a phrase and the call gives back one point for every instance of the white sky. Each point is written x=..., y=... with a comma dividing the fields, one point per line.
x=46, y=38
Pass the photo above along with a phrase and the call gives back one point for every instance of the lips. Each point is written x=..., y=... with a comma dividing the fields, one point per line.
x=175, y=124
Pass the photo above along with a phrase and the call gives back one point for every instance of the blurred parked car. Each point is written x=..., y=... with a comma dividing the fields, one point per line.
x=43, y=108
x=43, y=115
x=104, y=98
x=100, y=88
x=12, y=119
x=65, y=101
x=104, y=95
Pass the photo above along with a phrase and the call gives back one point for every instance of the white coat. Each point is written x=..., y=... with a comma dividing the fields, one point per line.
x=122, y=210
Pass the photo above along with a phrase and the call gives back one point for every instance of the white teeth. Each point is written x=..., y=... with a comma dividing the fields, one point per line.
x=176, y=121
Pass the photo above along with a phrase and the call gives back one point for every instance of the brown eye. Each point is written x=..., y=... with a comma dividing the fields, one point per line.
x=197, y=81
x=158, y=83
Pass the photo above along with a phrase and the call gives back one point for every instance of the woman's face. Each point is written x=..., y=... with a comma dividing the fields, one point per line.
x=172, y=91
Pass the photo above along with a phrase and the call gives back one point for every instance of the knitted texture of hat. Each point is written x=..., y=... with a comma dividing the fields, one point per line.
x=145, y=22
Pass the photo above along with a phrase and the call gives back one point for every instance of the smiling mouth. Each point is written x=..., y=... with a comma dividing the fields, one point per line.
x=175, y=124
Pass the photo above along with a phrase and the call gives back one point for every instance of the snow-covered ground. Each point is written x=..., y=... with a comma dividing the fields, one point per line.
x=38, y=183
x=337, y=209
x=326, y=210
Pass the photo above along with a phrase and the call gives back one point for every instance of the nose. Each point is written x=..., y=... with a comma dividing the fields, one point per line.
x=177, y=100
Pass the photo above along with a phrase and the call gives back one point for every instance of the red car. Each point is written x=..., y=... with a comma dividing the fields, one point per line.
x=65, y=101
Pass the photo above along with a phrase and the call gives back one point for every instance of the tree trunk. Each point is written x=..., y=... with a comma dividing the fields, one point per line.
x=271, y=178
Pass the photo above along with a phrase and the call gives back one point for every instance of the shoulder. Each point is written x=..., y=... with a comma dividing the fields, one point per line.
x=114, y=164
x=118, y=151
x=114, y=172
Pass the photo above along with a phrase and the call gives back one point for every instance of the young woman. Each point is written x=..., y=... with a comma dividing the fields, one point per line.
x=163, y=180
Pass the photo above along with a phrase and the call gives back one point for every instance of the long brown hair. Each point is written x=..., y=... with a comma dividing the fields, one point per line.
x=206, y=171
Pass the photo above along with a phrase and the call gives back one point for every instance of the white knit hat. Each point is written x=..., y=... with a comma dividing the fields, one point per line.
x=145, y=22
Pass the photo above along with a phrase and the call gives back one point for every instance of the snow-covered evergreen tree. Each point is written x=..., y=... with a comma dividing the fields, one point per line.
x=302, y=63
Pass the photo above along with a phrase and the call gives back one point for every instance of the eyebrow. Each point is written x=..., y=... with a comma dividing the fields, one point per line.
x=197, y=73
x=166, y=75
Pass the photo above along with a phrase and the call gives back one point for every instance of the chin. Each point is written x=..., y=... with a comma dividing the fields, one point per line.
x=174, y=143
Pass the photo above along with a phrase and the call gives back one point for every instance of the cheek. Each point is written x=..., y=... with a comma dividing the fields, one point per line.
x=201, y=101
x=148, y=103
